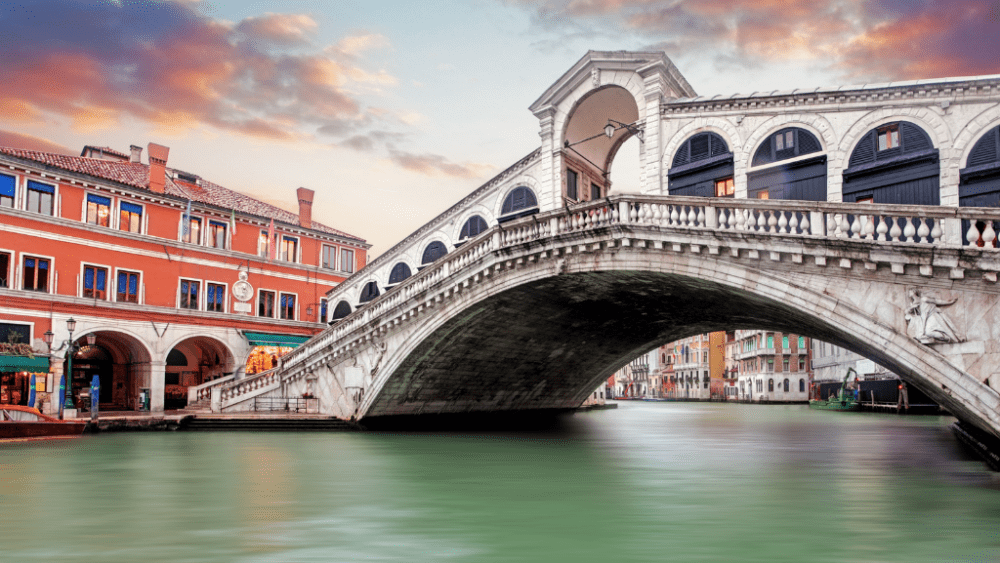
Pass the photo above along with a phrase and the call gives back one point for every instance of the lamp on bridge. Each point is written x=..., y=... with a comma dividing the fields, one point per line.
x=614, y=125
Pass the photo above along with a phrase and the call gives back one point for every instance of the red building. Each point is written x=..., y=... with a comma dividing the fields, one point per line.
x=172, y=281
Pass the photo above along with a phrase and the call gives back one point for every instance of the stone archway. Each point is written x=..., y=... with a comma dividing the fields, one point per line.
x=191, y=362
x=120, y=360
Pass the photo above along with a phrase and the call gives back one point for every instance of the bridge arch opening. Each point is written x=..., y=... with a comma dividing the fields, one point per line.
x=702, y=166
x=192, y=362
x=895, y=162
x=788, y=164
x=598, y=126
x=120, y=360
x=519, y=202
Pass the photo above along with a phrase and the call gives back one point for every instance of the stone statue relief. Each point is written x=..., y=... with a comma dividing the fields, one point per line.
x=925, y=320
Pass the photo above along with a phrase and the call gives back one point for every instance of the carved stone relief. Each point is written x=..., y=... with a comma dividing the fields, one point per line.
x=926, y=322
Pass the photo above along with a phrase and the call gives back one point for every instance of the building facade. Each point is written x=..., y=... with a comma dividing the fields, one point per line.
x=772, y=366
x=171, y=281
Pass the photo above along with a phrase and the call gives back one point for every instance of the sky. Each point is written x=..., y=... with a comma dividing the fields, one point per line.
x=393, y=111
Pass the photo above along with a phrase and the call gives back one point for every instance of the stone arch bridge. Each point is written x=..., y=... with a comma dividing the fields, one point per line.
x=535, y=313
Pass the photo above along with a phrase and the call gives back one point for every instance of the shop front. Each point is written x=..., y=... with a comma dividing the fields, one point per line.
x=17, y=376
x=267, y=348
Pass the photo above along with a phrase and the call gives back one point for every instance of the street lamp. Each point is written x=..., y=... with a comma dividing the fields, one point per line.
x=66, y=388
x=49, y=336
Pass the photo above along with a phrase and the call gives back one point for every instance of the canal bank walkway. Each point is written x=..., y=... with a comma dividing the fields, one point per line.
x=125, y=421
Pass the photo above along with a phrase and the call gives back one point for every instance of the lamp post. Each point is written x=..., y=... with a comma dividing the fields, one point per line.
x=66, y=388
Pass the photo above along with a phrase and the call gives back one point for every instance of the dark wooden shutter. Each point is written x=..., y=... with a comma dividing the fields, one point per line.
x=987, y=149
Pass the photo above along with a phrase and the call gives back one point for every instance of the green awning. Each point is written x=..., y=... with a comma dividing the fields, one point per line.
x=24, y=363
x=267, y=339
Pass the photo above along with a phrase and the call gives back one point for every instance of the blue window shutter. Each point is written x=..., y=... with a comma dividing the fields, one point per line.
x=40, y=187
x=132, y=208
x=7, y=184
x=99, y=200
x=101, y=280
x=88, y=278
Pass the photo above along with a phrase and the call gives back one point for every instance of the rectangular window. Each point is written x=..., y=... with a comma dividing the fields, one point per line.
x=7, y=187
x=784, y=364
x=287, y=307
x=95, y=282
x=98, y=210
x=779, y=142
x=784, y=342
x=323, y=310
x=725, y=188
x=189, y=294
x=595, y=191
x=40, y=197
x=888, y=137
x=4, y=269
x=193, y=233
x=263, y=245
x=289, y=248
x=802, y=363
x=265, y=304
x=329, y=256
x=770, y=365
x=215, y=297
x=802, y=342
x=216, y=234
x=131, y=217
x=770, y=341
x=128, y=287
x=571, y=180
x=346, y=260
x=36, y=274
x=763, y=194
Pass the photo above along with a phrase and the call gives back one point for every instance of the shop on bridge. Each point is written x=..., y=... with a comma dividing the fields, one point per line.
x=268, y=348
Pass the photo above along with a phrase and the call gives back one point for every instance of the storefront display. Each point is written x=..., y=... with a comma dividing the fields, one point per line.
x=263, y=358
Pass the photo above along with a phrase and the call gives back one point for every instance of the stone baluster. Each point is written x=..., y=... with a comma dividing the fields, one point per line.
x=895, y=231
x=782, y=222
x=793, y=223
x=741, y=219
x=772, y=222
x=674, y=217
x=633, y=214
x=855, y=227
x=923, y=232
x=692, y=217
x=909, y=230
x=751, y=220
x=700, y=218
x=869, y=228
x=972, y=235
x=989, y=235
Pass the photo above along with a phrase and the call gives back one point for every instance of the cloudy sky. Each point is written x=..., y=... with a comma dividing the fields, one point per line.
x=392, y=111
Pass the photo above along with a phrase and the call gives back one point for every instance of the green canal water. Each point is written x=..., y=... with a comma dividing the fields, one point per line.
x=644, y=482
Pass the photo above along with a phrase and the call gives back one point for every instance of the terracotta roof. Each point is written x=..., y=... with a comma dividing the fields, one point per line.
x=105, y=150
x=136, y=175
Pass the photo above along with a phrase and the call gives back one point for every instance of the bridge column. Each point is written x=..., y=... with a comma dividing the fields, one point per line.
x=550, y=191
x=651, y=179
x=157, y=385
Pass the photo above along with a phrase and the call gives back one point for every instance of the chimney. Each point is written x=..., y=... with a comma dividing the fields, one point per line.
x=305, y=207
x=136, y=154
x=157, y=167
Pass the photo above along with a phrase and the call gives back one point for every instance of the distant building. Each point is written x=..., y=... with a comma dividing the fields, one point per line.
x=772, y=366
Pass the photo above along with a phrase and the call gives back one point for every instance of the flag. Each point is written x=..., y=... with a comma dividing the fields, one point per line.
x=232, y=222
x=186, y=219
x=271, y=243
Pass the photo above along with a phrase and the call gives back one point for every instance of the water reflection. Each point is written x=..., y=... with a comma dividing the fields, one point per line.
x=648, y=481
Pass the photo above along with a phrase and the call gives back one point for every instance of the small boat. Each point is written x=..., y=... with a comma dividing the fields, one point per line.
x=842, y=401
x=26, y=422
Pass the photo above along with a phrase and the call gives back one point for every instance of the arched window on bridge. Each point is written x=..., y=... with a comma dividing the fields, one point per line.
x=520, y=202
x=702, y=166
x=979, y=184
x=894, y=163
x=398, y=274
x=802, y=179
x=369, y=292
x=342, y=310
x=433, y=251
x=472, y=228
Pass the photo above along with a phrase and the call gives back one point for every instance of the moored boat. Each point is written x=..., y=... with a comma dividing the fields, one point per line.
x=842, y=401
x=26, y=422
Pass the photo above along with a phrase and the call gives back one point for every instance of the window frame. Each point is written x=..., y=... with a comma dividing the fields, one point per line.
x=572, y=191
x=274, y=303
x=225, y=295
x=13, y=196
x=108, y=281
x=332, y=264
x=324, y=309
x=728, y=185
x=263, y=244
x=180, y=294
x=211, y=238
x=282, y=253
x=142, y=216
x=201, y=229
x=281, y=306
x=11, y=269
x=86, y=208
x=138, y=285
x=889, y=132
x=49, y=278
x=347, y=265
x=27, y=195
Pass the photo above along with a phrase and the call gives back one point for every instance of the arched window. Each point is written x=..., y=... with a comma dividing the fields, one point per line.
x=786, y=385
x=473, y=227
x=802, y=385
x=804, y=179
x=369, y=292
x=520, y=202
x=433, y=251
x=176, y=358
x=979, y=184
x=399, y=273
x=770, y=385
x=342, y=310
x=702, y=166
x=894, y=163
